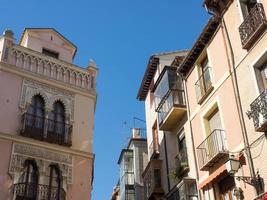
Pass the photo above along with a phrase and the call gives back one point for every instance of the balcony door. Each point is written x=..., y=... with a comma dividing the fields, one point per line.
x=26, y=189
x=35, y=117
x=226, y=187
x=56, y=124
x=215, y=135
x=247, y=6
x=55, y=183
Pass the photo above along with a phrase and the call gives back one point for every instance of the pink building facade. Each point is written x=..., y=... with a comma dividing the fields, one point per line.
x=47, y=109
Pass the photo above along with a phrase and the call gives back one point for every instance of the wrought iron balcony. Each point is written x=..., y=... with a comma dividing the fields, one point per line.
x=152, y=180
x=182, y=166
x=171, y=108
x=154, y=150
x=253, y=26
x=32, y=191
x=204, y=85
x=258, y=112
x=46, y=130
x=212, y=150
x=186, y=190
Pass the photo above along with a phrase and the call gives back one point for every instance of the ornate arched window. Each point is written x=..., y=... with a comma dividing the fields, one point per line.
x=26, y=188
x=55, y=183
x=35, y=117
x=56, y=128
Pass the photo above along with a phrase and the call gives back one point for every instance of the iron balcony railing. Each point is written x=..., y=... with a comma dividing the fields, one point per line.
x=32, y=191
x=46, y=130
x=186, y=190
x=212, y=149
x=203, y=85
x=181, y=163
x=173, y=98
x=253, y=25
x=258, y=112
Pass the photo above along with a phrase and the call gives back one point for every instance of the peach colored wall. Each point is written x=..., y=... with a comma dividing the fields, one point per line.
x=83, y=123
x=43, y=40
x=82, y=174
x=10, y=89
x=222, y=95
x=5, y=179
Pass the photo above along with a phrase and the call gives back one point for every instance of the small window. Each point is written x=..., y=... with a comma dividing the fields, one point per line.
x=50, y=53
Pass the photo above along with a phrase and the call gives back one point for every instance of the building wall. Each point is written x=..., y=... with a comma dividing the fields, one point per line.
x=245, y=62
x=17, y=87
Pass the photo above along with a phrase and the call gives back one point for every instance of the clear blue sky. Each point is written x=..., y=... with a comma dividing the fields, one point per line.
x=119, y=35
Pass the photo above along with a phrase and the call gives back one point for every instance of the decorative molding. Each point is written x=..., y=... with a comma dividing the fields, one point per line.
x=54, y=69
x=43, y=158
x=49, y=94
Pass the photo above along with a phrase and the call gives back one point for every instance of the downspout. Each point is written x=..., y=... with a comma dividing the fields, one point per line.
x=167, y=162
x=191, y=130
x=238, y=102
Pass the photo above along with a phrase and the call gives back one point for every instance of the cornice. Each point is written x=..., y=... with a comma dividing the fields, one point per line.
x=42, y=79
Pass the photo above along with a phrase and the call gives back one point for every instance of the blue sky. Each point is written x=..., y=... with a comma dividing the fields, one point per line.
x=119, y=35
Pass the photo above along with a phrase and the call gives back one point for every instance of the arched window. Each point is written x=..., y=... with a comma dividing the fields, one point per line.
x=55, y=183
x=28, y=182
x=35, y=117
x=56, y=127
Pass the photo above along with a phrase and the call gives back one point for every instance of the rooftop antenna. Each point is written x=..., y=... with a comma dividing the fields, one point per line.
x=137, y=119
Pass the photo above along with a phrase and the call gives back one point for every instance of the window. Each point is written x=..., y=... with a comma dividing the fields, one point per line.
x=55, y=182
x=50, y=53
x=28, y=182
x=246, y=6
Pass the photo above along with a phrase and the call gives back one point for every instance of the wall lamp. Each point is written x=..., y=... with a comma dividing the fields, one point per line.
x=232, y=166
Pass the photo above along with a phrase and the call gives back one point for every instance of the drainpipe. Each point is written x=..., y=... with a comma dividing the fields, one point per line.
x=238, y=103
x=191, y=130
x=167, y=162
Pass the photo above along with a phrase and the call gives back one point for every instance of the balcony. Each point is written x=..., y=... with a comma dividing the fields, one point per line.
x=169, y=98
x=171, y=109
x=212, y=150
x=186, y=190
x=152, y=180
x=258, y=112
x=154, y=150
x=203, y=85
x=46, y=130
x=32, y=191
x=253, y=26
x=182, y=166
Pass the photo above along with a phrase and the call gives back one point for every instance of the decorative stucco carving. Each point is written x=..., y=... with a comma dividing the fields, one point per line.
x=50, y=96
x=43, y=157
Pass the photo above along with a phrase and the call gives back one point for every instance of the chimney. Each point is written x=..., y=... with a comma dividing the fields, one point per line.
x=136, y=133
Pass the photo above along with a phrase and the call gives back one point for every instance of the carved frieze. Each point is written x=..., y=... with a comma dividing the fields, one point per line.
x=49, y=94
x=43, y=158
